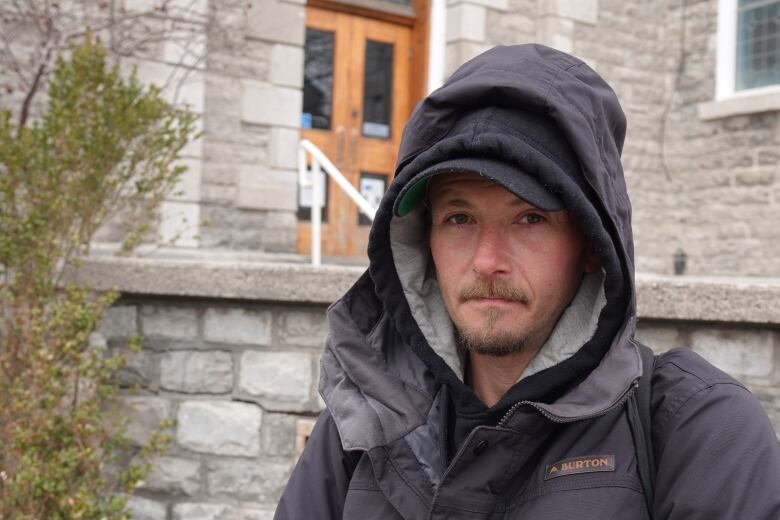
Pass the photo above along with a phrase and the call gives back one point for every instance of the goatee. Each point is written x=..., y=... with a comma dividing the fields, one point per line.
x=487, y=341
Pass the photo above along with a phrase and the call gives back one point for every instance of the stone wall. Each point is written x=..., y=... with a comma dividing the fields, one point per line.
x=237, y=378
x=230, y=353
x=253, y=102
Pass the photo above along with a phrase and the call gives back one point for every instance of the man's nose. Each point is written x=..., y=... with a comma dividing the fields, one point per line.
x=491, y=254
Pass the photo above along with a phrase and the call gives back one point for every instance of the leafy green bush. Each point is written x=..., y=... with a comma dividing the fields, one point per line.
x=104, y=146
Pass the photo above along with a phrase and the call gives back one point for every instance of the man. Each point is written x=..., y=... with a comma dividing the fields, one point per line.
x=484, y=366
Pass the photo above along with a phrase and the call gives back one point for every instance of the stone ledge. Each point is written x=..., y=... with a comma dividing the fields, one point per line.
x=284, y=282
x=698, y=298
x=685, y=298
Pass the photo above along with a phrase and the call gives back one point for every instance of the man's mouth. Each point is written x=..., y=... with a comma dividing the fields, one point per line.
x=492, y=292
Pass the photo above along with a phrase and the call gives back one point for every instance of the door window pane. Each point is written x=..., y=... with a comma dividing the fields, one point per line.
x=317, y=79
x=372, y=186
x=758, y=44
x=378, y=89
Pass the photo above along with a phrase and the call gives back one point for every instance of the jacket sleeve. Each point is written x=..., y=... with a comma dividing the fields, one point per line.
x=318, y=485
x=717, y=453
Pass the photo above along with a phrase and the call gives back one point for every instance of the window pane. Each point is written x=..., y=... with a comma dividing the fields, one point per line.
x=317, y=79
x=758, y=44
x=372, y=186
x=378, y=90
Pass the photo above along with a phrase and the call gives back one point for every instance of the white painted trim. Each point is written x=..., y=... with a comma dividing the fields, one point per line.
x=726, y=74
x=437, y=43
x=753, y=101
x=727, y=49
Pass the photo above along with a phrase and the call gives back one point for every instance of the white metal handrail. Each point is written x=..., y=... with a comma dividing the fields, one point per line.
x=319, y=161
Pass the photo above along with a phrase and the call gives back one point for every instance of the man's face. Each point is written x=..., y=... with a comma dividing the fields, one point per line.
x=506, y=270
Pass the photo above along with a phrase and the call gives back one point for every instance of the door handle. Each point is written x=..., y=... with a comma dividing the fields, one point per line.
x=340, y=146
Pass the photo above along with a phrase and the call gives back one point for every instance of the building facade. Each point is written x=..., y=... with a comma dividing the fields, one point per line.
x=698, y=80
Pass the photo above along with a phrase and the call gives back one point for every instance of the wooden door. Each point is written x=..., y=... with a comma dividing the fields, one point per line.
x=356, y=101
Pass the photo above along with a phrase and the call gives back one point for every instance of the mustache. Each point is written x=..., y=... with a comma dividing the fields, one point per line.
x=492, y=289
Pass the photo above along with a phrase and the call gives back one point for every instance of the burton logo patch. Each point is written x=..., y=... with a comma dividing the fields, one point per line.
x=586, y=464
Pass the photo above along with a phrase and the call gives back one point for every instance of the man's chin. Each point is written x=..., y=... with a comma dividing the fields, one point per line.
x=490, y=343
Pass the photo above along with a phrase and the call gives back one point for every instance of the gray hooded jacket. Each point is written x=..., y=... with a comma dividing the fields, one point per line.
x=404, y=438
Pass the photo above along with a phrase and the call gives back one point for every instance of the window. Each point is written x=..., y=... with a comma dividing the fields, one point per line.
x=748, y=47
x=758, y=44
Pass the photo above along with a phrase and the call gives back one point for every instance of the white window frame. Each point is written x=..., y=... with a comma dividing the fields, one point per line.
x=728, y=101
x=727, y=55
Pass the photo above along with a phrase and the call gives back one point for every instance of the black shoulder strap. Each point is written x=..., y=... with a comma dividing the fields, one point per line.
x=639, y=417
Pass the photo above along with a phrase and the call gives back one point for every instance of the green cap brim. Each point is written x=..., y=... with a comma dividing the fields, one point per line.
x=413, y=197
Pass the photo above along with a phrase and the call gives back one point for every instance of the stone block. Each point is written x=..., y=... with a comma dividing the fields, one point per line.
x=283, y=148
x=586, y=11
x=755, y=177
x=557, y=33
x=173, y=476
x=190, y=511
x=303, y=328
x=257, y=479
x=144, y=416
x=237, y=326
x=466, y=22
x=260, y=188
x=277, y=437
x=178, y=85
x=279, y=378
x=658, y=337
x=459, y=53
x=502, y=5
x=169, y=322
x=194, y=511
x=197, y=372
x=508, y=30
x=768, y=157
x=287, y=65
x=144, y=509
x=187, y=88
x=179, y=224
x=217, y=172
x=217, y=193
x=138, y=370
x=273, y=20
x=187, y=188
x=740, y=352
x=240, y=148
x=266, y=104
x=189, y=7
x=254, y=513
x=185, y=48
x=119, y=322
x=194, y=147
x=219, y=427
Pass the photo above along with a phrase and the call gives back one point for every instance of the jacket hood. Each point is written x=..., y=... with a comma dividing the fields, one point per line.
x=553, y=117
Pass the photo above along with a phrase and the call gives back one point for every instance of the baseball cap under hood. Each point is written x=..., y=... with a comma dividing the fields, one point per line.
x=549, y=116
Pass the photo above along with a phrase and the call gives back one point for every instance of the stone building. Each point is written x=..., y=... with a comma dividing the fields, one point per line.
x=233, y=318
x=701, y=97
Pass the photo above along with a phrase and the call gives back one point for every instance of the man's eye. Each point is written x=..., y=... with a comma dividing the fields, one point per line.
x=458, y=219
x=531, y=218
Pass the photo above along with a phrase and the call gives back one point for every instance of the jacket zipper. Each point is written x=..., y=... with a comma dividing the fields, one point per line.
x=562, y=420
x=552, y=417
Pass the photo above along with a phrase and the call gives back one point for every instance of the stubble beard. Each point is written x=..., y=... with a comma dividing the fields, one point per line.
x=485, y=339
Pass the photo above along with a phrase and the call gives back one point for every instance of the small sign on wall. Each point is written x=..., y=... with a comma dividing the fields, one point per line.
x=305, y=197
x=372, y=187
